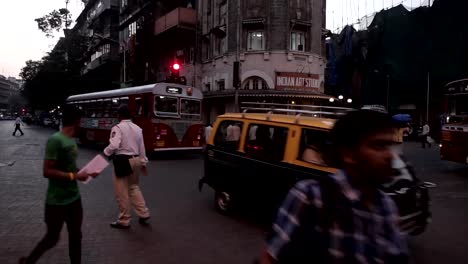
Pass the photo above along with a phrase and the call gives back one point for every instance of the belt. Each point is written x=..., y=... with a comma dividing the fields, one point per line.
x=127, y=156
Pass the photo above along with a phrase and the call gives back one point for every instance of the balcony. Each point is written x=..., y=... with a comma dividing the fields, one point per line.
x=185, y=18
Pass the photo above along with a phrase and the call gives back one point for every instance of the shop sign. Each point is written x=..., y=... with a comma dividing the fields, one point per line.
x=293, y=81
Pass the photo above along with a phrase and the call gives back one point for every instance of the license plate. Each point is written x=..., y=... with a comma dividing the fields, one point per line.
x=159, y=143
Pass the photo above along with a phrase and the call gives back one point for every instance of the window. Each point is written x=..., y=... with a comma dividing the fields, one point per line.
x=228, y=135
x=266, y=142
x=297, y=41
x=255, y=84
x=221, y=85
x=123, y=4
x=208, y=87
x=138, y=106
x=190, y=108
x=166, y=105
x=222, y=14
x=256, y=40
x=315, y=146
x=132, y=29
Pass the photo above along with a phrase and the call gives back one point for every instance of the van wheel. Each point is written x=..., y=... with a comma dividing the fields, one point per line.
x=223, y=202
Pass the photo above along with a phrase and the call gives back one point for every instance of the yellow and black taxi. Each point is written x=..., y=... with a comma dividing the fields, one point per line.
x=253, y=159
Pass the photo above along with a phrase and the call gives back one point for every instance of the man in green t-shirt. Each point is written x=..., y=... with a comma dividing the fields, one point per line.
x=63, y=203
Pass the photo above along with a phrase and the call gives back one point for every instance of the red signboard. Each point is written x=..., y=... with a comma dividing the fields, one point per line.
x=293, y=81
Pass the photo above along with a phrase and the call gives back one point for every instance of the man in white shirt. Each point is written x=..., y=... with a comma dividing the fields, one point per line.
x=129, y=156
x=425, y=134
x=18, y=126
x=208, y=130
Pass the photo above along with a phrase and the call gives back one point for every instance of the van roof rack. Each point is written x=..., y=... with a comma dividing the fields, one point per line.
x=294, y=109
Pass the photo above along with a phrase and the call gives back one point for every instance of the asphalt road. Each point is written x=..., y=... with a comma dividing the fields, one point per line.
x=184, y=226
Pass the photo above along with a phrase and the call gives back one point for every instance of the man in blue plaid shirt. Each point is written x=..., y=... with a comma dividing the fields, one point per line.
x=344, y=218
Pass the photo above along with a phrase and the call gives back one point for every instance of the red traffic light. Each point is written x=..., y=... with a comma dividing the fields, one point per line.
x=176, y=66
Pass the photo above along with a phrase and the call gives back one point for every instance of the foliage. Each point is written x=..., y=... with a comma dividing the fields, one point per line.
x=31, y=69
x=54, y=21
x=49, y=81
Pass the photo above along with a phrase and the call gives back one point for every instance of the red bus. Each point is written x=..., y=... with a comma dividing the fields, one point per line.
x=169, y=114
x=454, y=143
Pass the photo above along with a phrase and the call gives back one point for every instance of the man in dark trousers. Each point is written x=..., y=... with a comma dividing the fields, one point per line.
x=344, y=217
x=63, y=202
x=18, y=126
x=127, y=148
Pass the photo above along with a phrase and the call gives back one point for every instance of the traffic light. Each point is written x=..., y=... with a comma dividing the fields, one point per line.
x=175, y=70
x=175, y=75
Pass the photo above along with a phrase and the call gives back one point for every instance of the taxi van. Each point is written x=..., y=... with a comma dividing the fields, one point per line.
x=253, y=159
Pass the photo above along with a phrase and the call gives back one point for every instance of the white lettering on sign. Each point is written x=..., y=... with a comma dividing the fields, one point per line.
x=297, y=81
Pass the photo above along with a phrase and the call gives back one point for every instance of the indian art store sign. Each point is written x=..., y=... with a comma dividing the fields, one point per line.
x=303, y=82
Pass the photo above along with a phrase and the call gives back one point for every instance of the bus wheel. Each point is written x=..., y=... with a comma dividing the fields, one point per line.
x=223, y=202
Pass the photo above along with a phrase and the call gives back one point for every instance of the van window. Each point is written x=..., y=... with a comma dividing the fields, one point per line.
x=266, y=142
x=228, y=135
x=315, y=144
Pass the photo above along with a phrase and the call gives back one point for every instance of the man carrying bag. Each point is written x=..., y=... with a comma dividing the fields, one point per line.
x=127, y=149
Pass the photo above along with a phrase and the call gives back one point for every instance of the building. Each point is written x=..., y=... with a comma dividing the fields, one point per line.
x=9, y=88
x=98, y=25
x=235, y=51
x=155, y=35
x=259, y=50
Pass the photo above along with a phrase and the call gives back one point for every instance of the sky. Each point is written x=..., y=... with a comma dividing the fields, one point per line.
x=22, y=40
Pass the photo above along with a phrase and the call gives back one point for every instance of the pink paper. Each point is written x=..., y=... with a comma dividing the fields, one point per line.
x=96, y=165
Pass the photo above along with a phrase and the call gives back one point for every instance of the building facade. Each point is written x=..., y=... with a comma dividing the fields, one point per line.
x=260, y=50
x=234, y=50
x=98, y=24
x=9, y=88
x=155, y=34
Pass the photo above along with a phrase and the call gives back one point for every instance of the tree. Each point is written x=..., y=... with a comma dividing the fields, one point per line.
x=54, y=21
x=31, y=69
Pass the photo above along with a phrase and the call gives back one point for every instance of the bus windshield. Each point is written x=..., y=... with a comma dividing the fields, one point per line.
x=165, y=105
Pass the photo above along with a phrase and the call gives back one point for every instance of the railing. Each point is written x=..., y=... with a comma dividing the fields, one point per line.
x=297, y=110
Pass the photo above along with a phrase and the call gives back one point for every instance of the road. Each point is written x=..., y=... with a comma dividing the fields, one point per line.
x=184, y=226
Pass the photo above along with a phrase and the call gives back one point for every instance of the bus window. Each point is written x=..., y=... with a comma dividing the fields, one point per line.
x=166, y=105
x=190, y=108
x=138, y=106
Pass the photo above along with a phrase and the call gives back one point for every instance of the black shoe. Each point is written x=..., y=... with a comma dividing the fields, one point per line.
x=143, y=220
x=118, y=225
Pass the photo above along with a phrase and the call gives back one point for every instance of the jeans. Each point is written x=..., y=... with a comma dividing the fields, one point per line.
x=55, y=216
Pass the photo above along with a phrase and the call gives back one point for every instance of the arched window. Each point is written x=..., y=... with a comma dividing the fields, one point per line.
x=255, y=83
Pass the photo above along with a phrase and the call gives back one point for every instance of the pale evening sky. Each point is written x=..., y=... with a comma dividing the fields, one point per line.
x=22, y=40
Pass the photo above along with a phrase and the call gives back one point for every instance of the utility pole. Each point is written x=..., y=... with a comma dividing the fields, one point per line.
x=427, y=95
x=388, y=92
x=238, y=33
